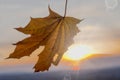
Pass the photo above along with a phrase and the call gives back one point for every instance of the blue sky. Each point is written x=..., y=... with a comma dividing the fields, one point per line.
x=100, y=28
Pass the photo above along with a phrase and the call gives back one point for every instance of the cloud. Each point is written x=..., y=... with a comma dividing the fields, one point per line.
x=100, y=29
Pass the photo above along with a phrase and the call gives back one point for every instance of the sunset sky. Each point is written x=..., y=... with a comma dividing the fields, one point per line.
x=100, y=29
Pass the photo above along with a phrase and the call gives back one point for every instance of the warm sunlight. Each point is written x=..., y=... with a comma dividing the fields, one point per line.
x=78, y=52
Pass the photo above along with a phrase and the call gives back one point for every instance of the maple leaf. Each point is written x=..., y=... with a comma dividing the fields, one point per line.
x=55, y=32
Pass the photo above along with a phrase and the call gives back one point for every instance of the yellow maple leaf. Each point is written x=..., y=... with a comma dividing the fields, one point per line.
x=55, y=32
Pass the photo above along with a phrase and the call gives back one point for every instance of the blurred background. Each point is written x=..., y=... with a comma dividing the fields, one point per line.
x=95, y=55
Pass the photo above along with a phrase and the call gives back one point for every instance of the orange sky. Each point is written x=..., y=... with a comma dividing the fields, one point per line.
x=100, y=28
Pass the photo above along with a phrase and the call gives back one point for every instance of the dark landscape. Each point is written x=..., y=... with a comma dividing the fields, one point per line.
x=101, y=74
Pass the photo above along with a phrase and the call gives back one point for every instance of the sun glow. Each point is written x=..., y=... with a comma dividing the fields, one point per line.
x=78, y=52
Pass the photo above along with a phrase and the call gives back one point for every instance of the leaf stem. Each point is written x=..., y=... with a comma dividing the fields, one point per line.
x=65, y=8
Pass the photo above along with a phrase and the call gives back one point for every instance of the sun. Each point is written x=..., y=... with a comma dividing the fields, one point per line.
x=78, y=52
